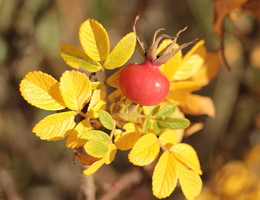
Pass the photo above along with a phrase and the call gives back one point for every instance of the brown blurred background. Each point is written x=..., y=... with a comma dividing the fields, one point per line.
x=30, y=34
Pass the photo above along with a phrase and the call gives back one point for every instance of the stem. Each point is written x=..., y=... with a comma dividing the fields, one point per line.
x=113, y=131
x=79, y=112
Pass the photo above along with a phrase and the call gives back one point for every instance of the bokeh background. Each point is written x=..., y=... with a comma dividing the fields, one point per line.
x=30, y=34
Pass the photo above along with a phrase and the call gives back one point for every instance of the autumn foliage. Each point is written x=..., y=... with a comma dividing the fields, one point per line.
x=102, y=123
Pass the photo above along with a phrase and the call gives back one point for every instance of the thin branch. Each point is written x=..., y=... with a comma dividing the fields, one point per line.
x=126, y=181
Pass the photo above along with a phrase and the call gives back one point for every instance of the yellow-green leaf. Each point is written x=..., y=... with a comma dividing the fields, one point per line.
x=122, y=52
x=145, y=150
x=77, y=58
x=165, y=176
x=106, y=119
x=96, y=148
x=192, y=62
x=94, y=40
x=42, y=90
x=75, y=89
x=187, y=155
x=190, y=181
x=95, y=135
x=94, y=167
x=110, y=156
x=55, y=126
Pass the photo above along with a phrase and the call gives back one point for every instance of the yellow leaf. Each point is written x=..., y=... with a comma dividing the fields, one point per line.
x=185, y=85
x=171, y=66
x=73, y=140
x=193, y=128
x=145, y=150
x=42, y=90
x=185, y=154
x=110, y=154
x=168, y=138
x=94, y=40
x=122, y=52
x=190, y=181
x=55, y=126
x=113, y=80
x=165, y=176
x=192, y=62
x=94, y=167
x=97, y=102
x=198, y=105
x=75, y=89
x=116, y=95
x=162, y=47
x=209, y=70
x=77, y=58
x=126, y=140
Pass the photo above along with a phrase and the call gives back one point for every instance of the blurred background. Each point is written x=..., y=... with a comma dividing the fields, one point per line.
x=30, y=34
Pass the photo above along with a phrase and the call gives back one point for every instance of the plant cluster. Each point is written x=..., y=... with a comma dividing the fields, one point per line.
x=101, y=123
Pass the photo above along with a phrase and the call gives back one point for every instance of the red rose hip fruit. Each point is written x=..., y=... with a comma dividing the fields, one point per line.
x=144, y=83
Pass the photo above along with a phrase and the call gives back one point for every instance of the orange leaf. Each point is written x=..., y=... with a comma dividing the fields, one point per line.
x=221, y=9
x=85, y=159
x=198, y=105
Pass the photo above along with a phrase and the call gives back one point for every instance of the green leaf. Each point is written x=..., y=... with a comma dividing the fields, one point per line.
x=154, y=110
x=156, y=128
x=174, y=123
x=77, y=58
x=166, y=111
x=96, y=148
x=95, y=135
x=122, y=52
x=146, y=125
x=106, y=119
